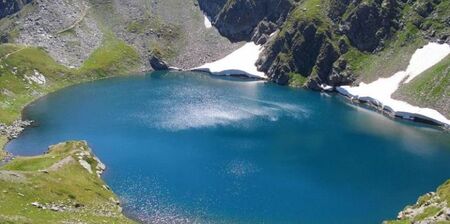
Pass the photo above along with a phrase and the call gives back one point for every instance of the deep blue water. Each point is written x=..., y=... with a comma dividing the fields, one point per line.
x=195, y=148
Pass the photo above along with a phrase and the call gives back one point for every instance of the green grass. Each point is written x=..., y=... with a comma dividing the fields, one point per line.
x=399, y=48
x=394, y=57
x=313, y=11
x=297, y=80
x=32, y=163
x=3, y=141
x=113, y=57
x=431, y=89
x=135, y=27
x=69, y=185
x=428, y=212
x=15, y=92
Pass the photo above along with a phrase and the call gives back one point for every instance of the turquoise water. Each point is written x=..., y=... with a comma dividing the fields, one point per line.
x=191, y=148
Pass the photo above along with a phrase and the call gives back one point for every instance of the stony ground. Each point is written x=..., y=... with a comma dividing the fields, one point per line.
x=70, y=31
x=172, y=28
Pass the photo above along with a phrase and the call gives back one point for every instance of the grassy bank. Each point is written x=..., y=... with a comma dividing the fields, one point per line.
x=19, y=64
x=431, y=89
x=56, y=188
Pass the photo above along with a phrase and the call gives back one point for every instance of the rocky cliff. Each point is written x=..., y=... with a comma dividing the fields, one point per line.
x=237, y=19
x=307, y=42
x=317, y=39
x=8, y=7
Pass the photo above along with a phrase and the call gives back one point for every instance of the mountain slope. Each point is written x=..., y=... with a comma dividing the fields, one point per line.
x=50, y=44
x=431, y=89
x=71, y=30
x=335, y=42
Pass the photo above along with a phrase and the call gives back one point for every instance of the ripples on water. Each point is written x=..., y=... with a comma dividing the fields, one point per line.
x=187, y=109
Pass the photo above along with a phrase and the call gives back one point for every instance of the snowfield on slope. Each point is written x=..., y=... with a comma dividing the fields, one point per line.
x=240, y=62
x=380, y=91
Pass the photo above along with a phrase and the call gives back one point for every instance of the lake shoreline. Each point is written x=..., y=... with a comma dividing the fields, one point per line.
x=76, y=84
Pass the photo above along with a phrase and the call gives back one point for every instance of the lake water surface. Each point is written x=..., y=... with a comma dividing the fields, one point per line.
x=191, y=148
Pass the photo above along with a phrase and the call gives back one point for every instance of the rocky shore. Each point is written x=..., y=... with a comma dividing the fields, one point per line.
x=429, y=208
x=13, y=131
x=434, y=202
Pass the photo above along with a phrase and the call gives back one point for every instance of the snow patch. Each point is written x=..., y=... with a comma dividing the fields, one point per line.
x=208, y=23
x=380, y=91
x=425, y=58
x=240, y=62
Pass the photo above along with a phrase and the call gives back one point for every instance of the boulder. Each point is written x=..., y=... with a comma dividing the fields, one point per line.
x=158, y=64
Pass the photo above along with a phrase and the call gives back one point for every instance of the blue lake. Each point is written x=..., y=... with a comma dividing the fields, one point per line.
x=192, y=148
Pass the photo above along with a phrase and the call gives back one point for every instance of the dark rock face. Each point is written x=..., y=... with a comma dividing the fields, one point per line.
x=294, y=52
x=369, y=24
x=8, y=7
x=338, y=8
x=304, y=47
x=158, y=64
x=237, y=19
x=212, y=7
x=305, y=50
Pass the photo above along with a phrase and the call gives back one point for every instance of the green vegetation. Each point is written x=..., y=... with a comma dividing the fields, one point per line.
x=62, y=190
x=431, y=89
x=3, y=141
x=135, y=27
x=394, y=56
x=112, y=57
x=297, y=80
x=308, y=11
x=399, y=48
x=18, y=63
x=428, y=212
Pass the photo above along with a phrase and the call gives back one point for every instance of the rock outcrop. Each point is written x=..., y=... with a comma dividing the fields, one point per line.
x=237, y=19
x=315, y=37
x=370, y=23
x=71, y=31
x=430, y=208
x=8, y=7
x=158, y=64
x=13, y=131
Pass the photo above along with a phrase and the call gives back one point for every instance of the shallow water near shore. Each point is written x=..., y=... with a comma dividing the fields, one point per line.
x=192, y=148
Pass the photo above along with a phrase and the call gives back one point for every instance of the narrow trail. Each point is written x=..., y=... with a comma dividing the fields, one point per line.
x=78, y=21
x=11, y=53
